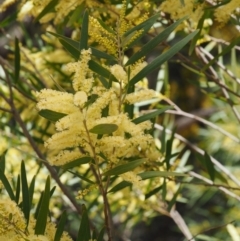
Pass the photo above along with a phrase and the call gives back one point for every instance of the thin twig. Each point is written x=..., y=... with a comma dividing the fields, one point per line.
x=200, y=151
x=208, y=123
x=220, y=65
x=224, y=90
x=224, y=189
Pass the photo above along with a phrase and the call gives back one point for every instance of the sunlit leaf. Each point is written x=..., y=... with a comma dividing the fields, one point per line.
x=150, y=115
x=153, y=174
x=102, y=129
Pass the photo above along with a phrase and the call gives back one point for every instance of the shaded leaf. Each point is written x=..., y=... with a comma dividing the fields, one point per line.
x=104, y=129
x=60, y=226
x=73, y=51
x=3, y=161
x=84, y=229
x=162, y=58
x=49, y=8
x=173, y=201
x=25, y=193
x=101, y=234
x=124, y=167
x=84, y=32
x=77, y=162
x=152, y=192
x=82, y=177
x=41, y=220
x=148, y=23
x=120, y=186
x=6, y=185
x=31, y=189
x=18, y=189
x=51, y=115
x=154, y=42
x=210, y=166
x=17, y=60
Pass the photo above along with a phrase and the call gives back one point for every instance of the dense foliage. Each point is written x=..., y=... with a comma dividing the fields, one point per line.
x=116, y=112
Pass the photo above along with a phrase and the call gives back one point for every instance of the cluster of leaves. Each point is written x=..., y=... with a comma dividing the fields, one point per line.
x=20, y=76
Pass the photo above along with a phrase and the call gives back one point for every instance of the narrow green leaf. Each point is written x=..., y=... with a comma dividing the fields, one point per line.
x=17, y=60
x=151, y=115
x=163, y=140
x=102, y=55
x=173, y=201
x=73, y=51
x=124, y=167
x=98, y=69
x=153, y=174
x=18, y=187
x=162, y=58
x=51, y=115
x=168, y=155
x=70, y=41
x=31, y=189
x=120, y=186
x=199, y=26
x=25, y=193
x=84, y=32
x=3, y=161
x=210, y=166
x=104, y=82
x=164, y=189
x=82, y=177
x=7, y=21
x=94, y=234
x=49, y=8
x=102, y=129
x=101, y=234
x=154, y=42
x=7, y=185
x=148, y=23
x=152, y=192
x=77, y=162
x=60, y=226
x=84, y=229
x=41, y=221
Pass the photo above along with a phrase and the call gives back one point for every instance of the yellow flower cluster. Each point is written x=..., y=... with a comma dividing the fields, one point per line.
x=84, y=192
x=13, y=225
x=223, y=13
x=74, y=138
x=178, y=10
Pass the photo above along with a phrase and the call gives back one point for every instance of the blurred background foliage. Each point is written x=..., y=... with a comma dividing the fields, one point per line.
x=201, y=83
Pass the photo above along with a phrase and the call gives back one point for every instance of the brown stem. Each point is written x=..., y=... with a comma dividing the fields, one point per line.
x=97, y=174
